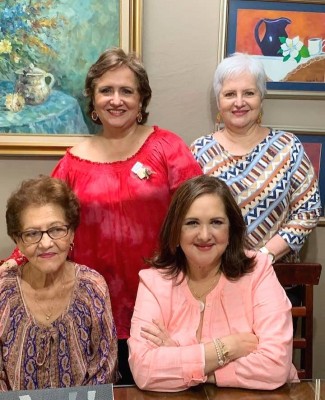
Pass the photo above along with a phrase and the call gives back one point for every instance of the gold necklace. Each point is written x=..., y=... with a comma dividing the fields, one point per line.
x=48, y=314
x=199, y=296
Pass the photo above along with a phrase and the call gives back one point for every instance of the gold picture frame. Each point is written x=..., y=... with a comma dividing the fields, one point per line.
x=229, y=23
x=56, y=144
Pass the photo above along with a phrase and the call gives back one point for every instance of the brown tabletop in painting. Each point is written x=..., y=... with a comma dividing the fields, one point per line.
x=295, y=391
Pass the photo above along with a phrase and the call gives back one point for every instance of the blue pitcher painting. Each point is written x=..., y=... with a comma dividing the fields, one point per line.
x=274, y=28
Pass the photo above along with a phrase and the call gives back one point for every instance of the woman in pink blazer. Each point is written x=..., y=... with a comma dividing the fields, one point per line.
x=208, y=310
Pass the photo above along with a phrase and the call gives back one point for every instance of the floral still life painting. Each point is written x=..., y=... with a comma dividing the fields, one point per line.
x=46, y=48
x=288, y=37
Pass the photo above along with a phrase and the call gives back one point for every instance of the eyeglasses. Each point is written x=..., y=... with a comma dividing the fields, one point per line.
x=35, y=236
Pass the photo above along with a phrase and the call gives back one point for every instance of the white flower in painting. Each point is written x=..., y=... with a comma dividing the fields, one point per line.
x=291, y=47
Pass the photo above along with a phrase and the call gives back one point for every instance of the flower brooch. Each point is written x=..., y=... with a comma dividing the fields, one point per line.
x=141, y=171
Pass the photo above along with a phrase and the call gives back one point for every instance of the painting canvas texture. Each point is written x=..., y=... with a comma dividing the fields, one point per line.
x=46, y=48
x=289, y=39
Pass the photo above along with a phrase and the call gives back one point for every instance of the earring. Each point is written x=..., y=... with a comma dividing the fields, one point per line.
x=218, y=122
x=71, y=246
x=259, y=118
x=139, y=117
x=94, y=115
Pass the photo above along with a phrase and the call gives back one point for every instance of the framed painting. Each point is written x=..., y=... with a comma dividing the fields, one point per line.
x=287, y=36
x=314, y=145
x=46, y=49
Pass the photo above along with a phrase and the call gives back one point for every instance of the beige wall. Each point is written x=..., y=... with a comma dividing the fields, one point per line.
x=12, y=171
x=179, y=50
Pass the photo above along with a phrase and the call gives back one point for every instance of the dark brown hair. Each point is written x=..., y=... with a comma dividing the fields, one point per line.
x=39, y=192
x=171, y=257
x=109, y=60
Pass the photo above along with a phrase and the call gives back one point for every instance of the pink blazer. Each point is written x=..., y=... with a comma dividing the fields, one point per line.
x=255, y=303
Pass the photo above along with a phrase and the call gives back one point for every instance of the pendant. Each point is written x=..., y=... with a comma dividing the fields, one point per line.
x=48, y=317
x=202, y=305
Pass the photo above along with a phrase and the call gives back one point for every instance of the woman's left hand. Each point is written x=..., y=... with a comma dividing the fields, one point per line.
x=158, y=335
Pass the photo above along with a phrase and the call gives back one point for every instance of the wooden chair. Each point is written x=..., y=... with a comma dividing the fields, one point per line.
x=307, y=275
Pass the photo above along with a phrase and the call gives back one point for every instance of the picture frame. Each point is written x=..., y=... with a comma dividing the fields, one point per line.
x=128, y=23
x=245, y=26
x=313, y=141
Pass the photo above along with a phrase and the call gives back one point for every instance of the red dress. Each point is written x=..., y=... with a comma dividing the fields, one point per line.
x=121, y=214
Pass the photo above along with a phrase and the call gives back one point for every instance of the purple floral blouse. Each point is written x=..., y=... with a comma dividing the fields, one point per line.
x=79, y=348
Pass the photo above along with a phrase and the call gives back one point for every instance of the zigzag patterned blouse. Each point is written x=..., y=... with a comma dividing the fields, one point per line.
x=274, y=185
x=79, y=348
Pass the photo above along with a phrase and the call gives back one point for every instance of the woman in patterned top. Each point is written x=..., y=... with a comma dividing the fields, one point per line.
x=56, y=324
x=267, y=170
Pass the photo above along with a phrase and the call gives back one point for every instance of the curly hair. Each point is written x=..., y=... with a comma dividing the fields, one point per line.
x=39, y=192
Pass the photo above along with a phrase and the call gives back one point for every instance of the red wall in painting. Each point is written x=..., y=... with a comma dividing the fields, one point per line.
x=313, y=151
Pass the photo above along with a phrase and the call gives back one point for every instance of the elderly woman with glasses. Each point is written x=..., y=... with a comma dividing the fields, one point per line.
x=56, y=324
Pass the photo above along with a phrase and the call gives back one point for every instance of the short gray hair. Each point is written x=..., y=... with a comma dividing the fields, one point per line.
x=235, y=65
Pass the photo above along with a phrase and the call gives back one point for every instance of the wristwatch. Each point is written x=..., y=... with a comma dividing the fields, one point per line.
x=265, y=250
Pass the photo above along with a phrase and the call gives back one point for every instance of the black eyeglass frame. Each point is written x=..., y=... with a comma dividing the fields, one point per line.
x=48, y=232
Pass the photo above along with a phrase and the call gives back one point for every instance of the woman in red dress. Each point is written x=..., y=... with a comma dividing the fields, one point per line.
x=124, y=178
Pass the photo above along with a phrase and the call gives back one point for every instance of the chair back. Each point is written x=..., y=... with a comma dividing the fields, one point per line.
x=307, y=275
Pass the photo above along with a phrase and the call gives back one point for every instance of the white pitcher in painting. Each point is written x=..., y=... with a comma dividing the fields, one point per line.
x=34, y=84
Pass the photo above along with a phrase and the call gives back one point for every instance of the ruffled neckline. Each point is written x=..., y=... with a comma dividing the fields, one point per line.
x=146, y=143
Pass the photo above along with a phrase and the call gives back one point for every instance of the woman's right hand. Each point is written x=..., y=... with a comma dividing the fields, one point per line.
x=240, y=344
